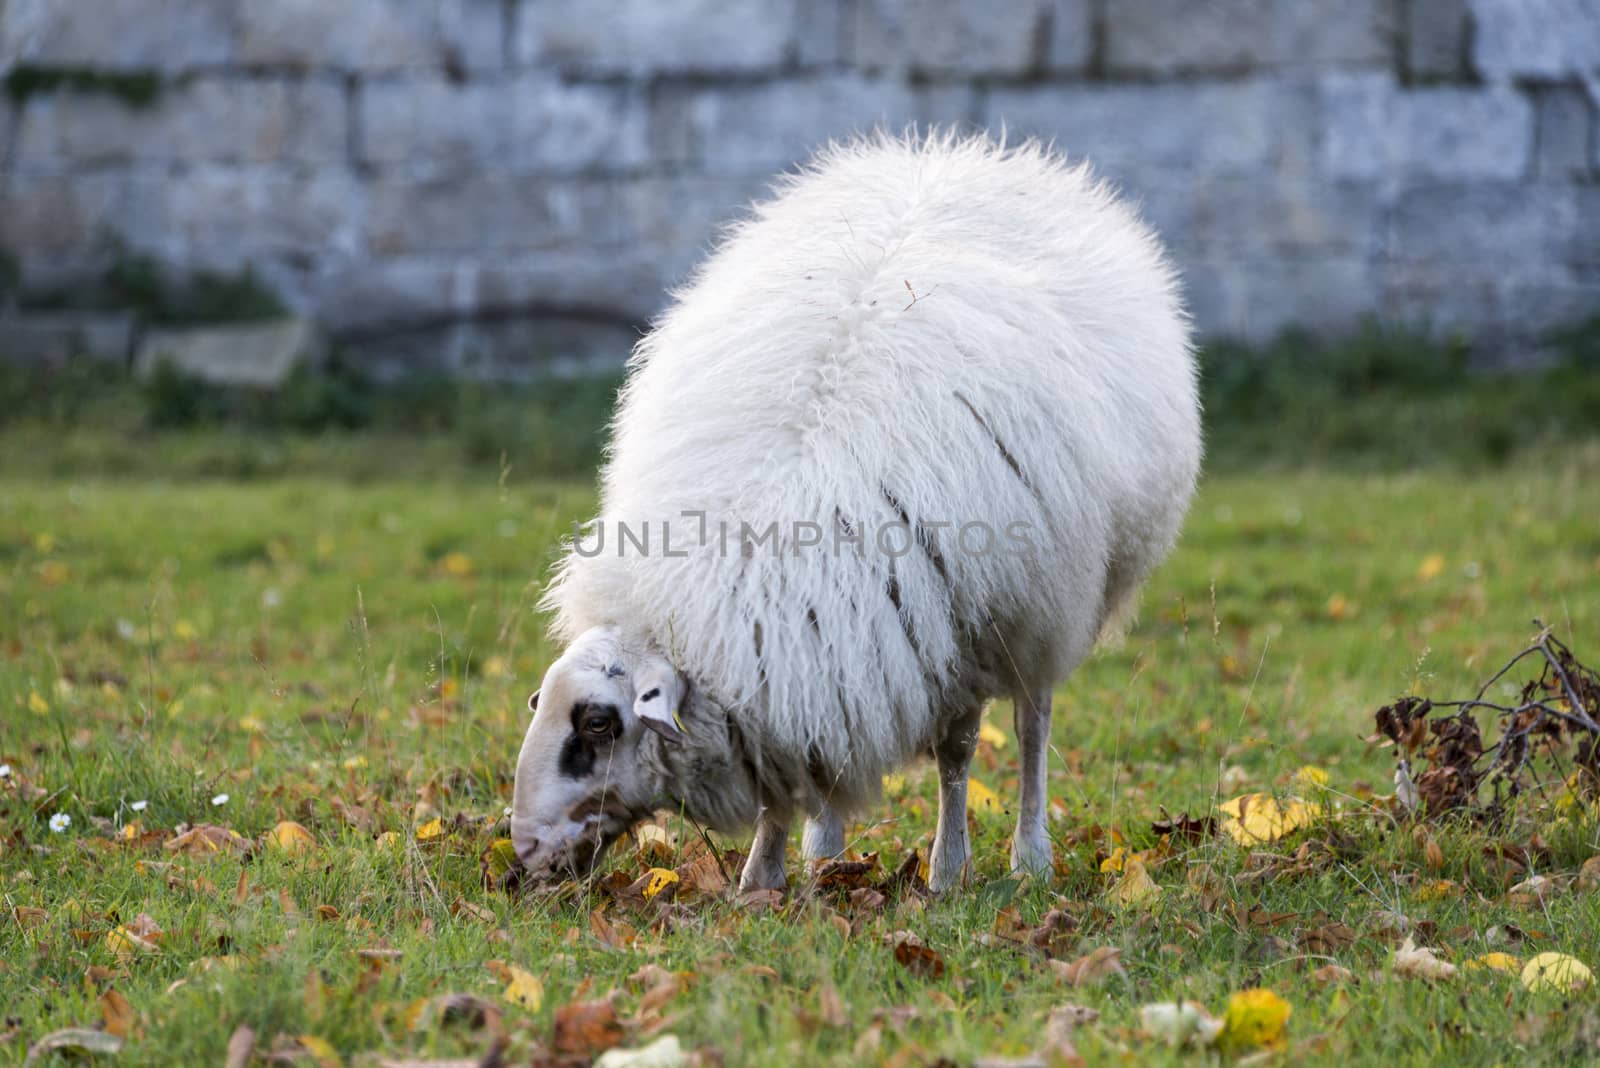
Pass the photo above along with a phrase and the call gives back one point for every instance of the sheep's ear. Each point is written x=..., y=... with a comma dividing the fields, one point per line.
x=661, y=691
x=533, y=701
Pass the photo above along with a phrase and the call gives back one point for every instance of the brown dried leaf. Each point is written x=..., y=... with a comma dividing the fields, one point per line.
x=1094, y=967
x=586, y=1027
x=207, y=840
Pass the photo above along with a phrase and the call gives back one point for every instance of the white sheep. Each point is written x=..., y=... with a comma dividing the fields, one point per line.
x=910, y=439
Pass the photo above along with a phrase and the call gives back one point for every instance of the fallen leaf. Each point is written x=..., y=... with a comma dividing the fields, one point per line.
x=73, y=1040
x=207, y=840
x=125, y=943
x=240, y=1046
x=1557, y=972
x=660, y=879
x=664, y=1052
x=992, y=736
x=321, y=1051
x=1256, y=1017
x=496, y=862
x=1415, y=963
x=919, y=960
x=291, y=839
x=982, y=800
x=1329, y=974
x=586, y=1027
x=1432, y=567
x=1135, y=888
x=118, y=1013
x=1494, y=962
x=523, y=988
x=1180, y=1023
x=432, y=830
x=1090, y=969
x=1257, y=819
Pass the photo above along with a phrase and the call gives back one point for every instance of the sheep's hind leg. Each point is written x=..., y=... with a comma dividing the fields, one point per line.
x=763, y=868
x=1030, y=846
x=823, y=837
x=949, y=864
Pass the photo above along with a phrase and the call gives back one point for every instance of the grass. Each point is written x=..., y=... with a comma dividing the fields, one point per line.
x=355, y=656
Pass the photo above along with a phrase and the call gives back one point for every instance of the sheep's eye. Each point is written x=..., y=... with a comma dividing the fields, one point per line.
x=598, y=726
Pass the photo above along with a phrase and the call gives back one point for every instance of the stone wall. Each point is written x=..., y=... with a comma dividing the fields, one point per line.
x=430, y=178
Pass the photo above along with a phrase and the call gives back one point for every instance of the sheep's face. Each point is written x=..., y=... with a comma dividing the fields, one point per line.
x=582, y=777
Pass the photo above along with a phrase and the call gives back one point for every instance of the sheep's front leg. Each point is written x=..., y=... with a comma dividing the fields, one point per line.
x=763, y=868
x=948, y=865
x=1030, y=847
x=823, y=837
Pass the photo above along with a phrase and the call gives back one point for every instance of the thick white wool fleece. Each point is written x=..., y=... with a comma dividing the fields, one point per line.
x=937, y=325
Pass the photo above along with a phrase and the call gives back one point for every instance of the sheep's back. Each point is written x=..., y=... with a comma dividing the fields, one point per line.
x=930, y=331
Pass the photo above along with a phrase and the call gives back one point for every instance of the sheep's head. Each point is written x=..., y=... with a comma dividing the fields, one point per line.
x=584, y=775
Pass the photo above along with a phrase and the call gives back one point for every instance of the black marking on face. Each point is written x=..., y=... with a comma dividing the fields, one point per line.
x=593, y=725
x=651, y=694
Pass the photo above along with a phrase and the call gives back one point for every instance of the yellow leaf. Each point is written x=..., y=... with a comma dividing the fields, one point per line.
x=36, y=704
x=1557, y=972
x=1437, y=890
x=1310, y=776
x=991, y=735
x=250, y=723
x=1135, y=887
x=894, y=785
x=321, y=1050
x=499, y=858
x=291, y=838
x=1255, y=819
x=458, y=564
x=1121, y=857
x=660, y=879
x=1494, y=962
x=496, y=667
x=431, y=830
x=183, y=630
x=982, y=799
x=1254, y=1018
x=1338, y=606
x=388, y=840
x=1431, y=568
x=524, y=988
x=125, y=944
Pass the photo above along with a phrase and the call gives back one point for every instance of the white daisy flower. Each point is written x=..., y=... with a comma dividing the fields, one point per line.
x=60, y=822
x=5, y=771
x=220, y=800
x=139, y=806
x=507, y=811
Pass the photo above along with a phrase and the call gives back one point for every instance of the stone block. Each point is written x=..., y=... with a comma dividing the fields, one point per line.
x=1262, y=216
x=1374, y=128
x=223, y=218
x=1437, y=36
x=519, y=349
x=374, y=36
x=1170, y=37
x=45, y=218
x=1136, y=133
x=1255, y=298
x=1548, y=40
x=1504, y=229
x=162, y=35
x=641, y=37
x=51, y=339
x=533, y=125
x=1565, y=128
x=243, y=354
x=961, y=37
x=207, y=119
x=484, y=213
x=756, y=129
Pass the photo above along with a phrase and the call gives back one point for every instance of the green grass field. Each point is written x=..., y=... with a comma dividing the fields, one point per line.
x=355, y=657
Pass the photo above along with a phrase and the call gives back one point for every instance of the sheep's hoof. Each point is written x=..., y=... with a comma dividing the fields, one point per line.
x=1032, y=856
x=762, y=877
x=943, y=875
